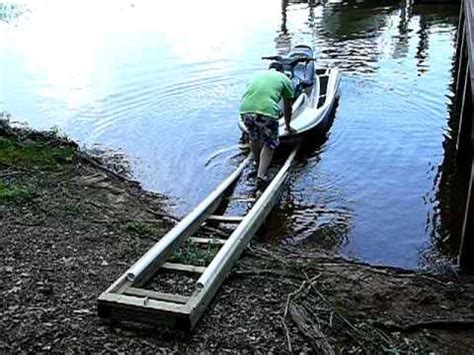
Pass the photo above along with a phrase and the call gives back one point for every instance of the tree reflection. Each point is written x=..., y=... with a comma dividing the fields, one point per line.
x=402, y=40
x=283, y=39
x=11, y=12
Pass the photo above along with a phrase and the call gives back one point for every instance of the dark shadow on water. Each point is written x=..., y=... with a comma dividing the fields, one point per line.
x=450, y=185
x=319, y=231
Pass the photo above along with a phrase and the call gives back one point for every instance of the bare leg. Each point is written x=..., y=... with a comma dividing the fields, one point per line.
x=256, y=148
x=266, y=156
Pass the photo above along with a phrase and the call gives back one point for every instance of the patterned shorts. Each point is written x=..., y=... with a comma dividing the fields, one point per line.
x=262, y=128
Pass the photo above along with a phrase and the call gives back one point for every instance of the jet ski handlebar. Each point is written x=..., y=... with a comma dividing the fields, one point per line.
x=290, y=61
x=273, y=57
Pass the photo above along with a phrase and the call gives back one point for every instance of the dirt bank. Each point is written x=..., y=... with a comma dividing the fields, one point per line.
x=69, y=228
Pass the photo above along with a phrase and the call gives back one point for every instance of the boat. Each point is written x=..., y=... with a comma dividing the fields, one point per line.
x=315, y=93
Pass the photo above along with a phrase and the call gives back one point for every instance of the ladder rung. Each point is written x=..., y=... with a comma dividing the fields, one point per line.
x=160, y=296
x=215, y=230
x=243, y=199
x=226, y=219
x=183, y=267
x=207, y=240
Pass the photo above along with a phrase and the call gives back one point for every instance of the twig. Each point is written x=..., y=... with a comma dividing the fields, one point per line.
x=264, y=252
x=288, y=298
x=288, y=339
x=161, y=215
x=285, y=313
x=325, y=300
x=280, y=273
x=104, y=168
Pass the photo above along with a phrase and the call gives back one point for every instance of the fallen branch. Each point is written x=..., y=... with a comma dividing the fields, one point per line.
x=265, y=253
x=310, y=330
x=297, y=292
x=288, y=300
x=104, y=168
x=451, y=324
x=272, y=272
x=330, y=305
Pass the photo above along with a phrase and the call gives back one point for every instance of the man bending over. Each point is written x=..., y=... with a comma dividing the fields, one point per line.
x=260, y=111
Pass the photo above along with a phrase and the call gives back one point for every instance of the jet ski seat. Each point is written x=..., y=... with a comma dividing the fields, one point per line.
x=305, y=74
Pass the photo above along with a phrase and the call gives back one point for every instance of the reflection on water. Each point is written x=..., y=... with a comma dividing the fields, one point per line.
x=161, y=82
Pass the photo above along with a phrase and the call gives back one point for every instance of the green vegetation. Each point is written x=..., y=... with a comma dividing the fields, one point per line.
x=142, y=229
x=33, y=154
x=72, y=208
x=10, y=191
x=195, y=254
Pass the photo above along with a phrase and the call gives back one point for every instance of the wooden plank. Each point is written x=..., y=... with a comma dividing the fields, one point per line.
x=160, y=296
x=139, y=301
x=184, y=268
x=463, y=62
x=242, y=199
x=131, y=308
x=207, y=240
x=225, y=219
x=215, y=230
x=464, y=138
x=469, y=27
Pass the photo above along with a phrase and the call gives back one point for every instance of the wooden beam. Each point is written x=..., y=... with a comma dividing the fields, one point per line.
x=225, y=219
x=184, y=268
x=242, y=199
x=160, y=296
x=465, y=140
x=466, y=253
x=469, y=26
x=136, y=309
x=207, y=240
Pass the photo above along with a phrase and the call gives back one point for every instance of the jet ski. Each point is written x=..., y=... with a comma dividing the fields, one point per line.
x=315, y=91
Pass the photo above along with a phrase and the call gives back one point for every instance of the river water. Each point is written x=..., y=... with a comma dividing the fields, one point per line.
x=160, y=83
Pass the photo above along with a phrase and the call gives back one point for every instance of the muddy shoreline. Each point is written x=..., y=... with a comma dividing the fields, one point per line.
x=69, y=226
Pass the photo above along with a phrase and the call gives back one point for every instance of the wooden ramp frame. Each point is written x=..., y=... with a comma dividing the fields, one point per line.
x=126, y=300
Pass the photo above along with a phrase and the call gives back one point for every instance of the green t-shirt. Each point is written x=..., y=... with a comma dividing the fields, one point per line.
x=264, y=92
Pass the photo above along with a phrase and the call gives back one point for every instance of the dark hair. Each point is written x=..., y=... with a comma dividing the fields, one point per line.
x=277, y=66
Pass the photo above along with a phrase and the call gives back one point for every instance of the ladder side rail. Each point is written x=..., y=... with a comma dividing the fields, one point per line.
x=146, y=266
x=258, y=212
x=215, y=273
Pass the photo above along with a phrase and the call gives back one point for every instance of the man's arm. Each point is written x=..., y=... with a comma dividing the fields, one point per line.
x=287, y=106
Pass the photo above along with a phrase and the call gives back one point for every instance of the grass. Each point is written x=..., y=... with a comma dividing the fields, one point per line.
x=72, y=208
x=11, y=192
x=33, y=155
x=142, y=229
x=195, y=254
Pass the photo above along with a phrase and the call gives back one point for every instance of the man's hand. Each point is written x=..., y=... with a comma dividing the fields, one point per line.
x=291, y=130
